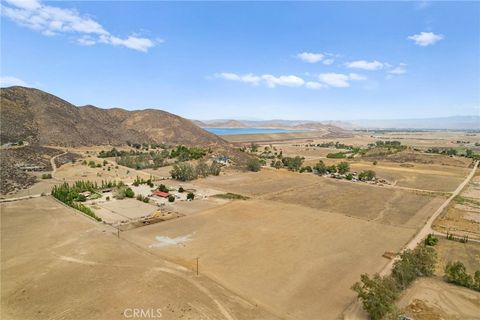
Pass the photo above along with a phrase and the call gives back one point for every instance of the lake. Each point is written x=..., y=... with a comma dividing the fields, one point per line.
x=233, y=131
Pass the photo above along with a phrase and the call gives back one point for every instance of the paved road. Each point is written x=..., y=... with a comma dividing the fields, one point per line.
x=355, y=310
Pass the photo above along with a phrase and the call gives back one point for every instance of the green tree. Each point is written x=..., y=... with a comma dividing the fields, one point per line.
x=455, y=272
x=377, y=294
x=190, y=196
x=183, y=172
x=343, y=167
x=320, y=167
x=419, y=262
x=253, y=164
x=202, y=169
x=171, y=198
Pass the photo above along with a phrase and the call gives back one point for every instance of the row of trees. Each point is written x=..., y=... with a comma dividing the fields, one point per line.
x=138, y=181
x=185, y=171
x=183, y=153
x=71, y=196
x=378, y=293
x=321, y=168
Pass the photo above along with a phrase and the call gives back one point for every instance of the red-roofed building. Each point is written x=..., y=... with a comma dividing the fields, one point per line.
x=160, y=194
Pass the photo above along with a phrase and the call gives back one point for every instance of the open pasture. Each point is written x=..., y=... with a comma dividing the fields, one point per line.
x=295, y=260
x=417, y=176
x=363, y=201
x=57, y=264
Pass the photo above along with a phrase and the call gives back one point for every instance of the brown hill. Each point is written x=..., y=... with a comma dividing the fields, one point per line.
x=39, y=117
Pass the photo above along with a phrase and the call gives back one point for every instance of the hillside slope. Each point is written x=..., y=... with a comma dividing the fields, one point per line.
x=39, y=117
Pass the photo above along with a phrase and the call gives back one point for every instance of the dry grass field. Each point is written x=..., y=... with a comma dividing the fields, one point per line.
x=462, y=217
x=418, y=176
x=359, y=200
x=292, y=250
x=296, y=261
x=57, y=264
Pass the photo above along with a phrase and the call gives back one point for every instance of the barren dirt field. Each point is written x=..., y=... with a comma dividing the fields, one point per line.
x=385, y=205
x=417, y=176
x=296, y=261
x=57, y=264
x=432, y=298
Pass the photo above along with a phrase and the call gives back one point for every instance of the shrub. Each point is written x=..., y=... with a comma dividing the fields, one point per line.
x=190, y=196
x=163, y=188
x=108, y=198
x=171, y=198
x=431, y=240
x=253, y=165
x=129, y=193
x=343, y=167
x=47, y=176
x=81, y=198
x=367, y=175
x=338, y=155
x=181, y=190
x=457, y=273
x=215, y=168
x=146, y=199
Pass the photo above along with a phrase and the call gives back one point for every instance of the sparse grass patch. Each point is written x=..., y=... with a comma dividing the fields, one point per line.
x=230, y=196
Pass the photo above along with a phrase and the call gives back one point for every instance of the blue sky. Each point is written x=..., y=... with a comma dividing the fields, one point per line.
x=244, y=60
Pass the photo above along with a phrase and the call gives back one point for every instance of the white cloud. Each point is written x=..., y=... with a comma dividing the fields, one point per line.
x=310, y=57
x=398, y=70
x=289, y=81
x=334, y=79
x=365, y=65
x=51, y=21
x=12, y=81
x=426, y=38
x=315, y=85
x=247, y=78
x=267, y=79
x=356, y=77
x=340, y=80
x=325, y=80
x=328, y=61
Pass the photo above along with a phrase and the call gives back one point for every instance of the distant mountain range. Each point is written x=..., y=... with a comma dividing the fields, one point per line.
x=446, y=123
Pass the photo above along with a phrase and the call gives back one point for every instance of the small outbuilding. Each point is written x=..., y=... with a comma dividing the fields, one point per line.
x=160, y=194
